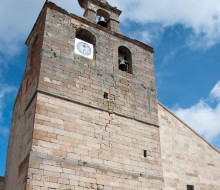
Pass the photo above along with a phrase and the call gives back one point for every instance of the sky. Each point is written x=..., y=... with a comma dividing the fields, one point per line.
x=185, y=36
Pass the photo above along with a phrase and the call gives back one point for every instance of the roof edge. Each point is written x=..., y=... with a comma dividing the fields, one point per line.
x=103, y=5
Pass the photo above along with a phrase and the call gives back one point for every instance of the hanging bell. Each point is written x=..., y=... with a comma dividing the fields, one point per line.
x=102, y=22
x=123, y=65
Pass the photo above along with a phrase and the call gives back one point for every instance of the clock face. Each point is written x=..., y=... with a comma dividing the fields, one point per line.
x=84, y=48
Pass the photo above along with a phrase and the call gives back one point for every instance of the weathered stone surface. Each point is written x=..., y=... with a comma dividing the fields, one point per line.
x=87, y=80
x=187, y=159
x=84, y=124
x=2, y=183
x=90, y=147
x=65, y=134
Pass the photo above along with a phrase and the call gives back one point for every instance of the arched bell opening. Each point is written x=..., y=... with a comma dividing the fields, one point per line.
x=102, y=18
x=124, y=59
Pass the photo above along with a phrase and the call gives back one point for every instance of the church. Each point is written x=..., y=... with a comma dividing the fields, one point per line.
x=86, y=116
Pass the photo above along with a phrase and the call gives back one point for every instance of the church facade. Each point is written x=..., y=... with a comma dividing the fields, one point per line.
x=87, y=117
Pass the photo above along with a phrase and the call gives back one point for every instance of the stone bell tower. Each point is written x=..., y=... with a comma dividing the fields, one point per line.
x=85, y=116
x=94, y=9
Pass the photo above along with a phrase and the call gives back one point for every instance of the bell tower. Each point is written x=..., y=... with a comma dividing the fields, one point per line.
x=100, y=12
x=85, y=116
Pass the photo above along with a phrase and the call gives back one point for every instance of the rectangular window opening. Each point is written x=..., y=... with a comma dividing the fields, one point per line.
x=190, y=187
x=145, y=154
x=105, y=95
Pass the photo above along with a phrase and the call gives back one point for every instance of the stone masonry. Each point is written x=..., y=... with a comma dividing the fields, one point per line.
x=2, y=182
x=83, y=124
x=65, y=134
x=187, y=158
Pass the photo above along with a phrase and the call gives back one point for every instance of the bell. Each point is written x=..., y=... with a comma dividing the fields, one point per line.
x=102, y=22
x=123, y=65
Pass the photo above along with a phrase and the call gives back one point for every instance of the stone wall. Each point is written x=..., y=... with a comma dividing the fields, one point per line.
x=2, y=183
x=66, y=73
x=187, y=158
x=78, y=147
x=65, y=134
x=81, y=139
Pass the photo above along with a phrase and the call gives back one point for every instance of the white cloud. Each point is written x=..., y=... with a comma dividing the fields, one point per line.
x=215, y=93
x=202, y=17
x=17, y=19
x=202, y=117
x=148, y=34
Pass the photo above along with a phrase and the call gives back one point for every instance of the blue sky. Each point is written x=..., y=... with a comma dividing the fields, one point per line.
x=186, y=38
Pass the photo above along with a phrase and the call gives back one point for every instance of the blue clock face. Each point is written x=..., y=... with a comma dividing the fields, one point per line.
x=84, y=48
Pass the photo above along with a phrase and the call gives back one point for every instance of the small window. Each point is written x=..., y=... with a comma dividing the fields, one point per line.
x=102, y=18
x=124, y=59
x=145, y=153
x=190, y=187
x=105, y=95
